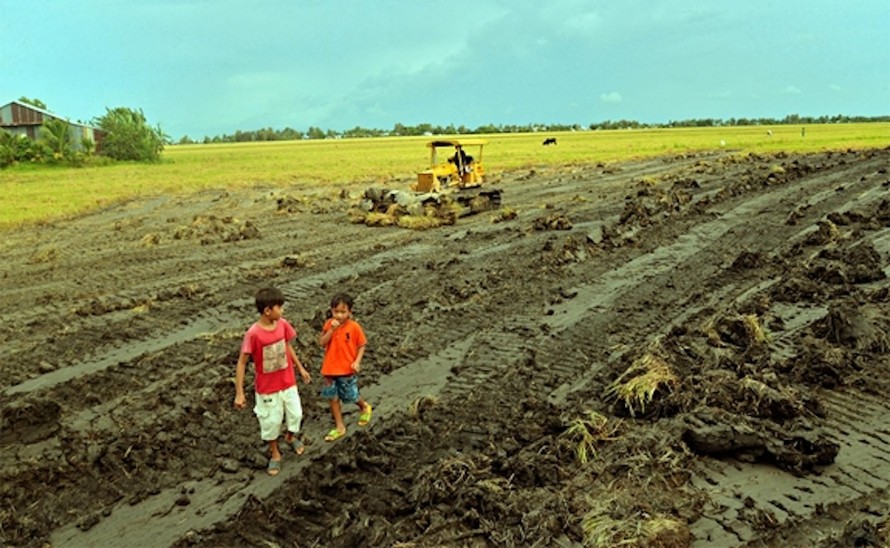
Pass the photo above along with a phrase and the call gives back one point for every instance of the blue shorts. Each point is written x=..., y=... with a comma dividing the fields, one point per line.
x=344, y=389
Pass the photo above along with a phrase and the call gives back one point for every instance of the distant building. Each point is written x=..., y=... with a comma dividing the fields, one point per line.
x=23, y=119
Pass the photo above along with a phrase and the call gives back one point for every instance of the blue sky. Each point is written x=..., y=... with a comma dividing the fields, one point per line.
x=211, y=67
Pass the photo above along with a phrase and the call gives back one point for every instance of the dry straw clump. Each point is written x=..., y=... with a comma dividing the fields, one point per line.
x=396, y=215
x=589, y=432
x=378, y=219
x=418, y=407
x=604, y=527
x=45, y=254
x=756, y=333
x=416, y=222
x=505, y=214
x=150, y=240
x=637, y=386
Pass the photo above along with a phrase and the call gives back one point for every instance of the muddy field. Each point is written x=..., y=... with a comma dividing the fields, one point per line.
x=680, y=351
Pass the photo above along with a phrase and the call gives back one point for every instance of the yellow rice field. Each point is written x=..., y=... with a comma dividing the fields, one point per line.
x=30, y=194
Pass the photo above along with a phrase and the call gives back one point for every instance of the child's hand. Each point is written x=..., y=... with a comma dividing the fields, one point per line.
x=307, y=378
x=240, y=401
x=357, y=366
x=335, y=323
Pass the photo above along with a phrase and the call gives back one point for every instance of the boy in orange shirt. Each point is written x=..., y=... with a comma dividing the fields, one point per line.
x=344, y=344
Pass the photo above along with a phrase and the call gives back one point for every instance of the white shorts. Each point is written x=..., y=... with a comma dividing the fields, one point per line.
x=271, y=409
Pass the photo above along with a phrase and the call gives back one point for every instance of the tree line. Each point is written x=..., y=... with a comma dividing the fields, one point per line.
x=126, y=135
x=290, y=134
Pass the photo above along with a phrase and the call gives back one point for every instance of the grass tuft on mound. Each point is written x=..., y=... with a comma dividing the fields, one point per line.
x=586, y=433
x=603, y=525
x=754, y=328
x=637, y=386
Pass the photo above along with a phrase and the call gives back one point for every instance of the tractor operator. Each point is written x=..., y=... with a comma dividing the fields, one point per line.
x=461, y=159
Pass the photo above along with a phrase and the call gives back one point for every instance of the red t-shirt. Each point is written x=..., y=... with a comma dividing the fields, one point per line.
x=268, y=349
x=342, y=348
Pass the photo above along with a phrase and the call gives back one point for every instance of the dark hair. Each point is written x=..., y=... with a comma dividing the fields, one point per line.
x=341, y=298
x=268, y=297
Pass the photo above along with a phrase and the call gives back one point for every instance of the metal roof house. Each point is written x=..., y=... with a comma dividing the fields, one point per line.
x=21, y=118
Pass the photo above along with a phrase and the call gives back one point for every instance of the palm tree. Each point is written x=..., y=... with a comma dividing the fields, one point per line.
x=54, y=134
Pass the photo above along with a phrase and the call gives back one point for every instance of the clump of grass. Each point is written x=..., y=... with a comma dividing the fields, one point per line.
x=589, y=432
x=418, y=407
x=833, y=231
x=418, y=222
x=505, y=214
x=142, y=308
x=711, y=333
x=45, y=254
x=637, y=386
x=150, y=239
x=480, y=203
x=379, y=219
x=453, y=471
x=604, y=526
x=756, y=333
x=182, y=232
x=294, y=261
x=777, y=169
x=448, y=211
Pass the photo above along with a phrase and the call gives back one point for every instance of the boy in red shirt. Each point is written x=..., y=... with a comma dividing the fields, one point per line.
x=344, y=344
x=267, y=342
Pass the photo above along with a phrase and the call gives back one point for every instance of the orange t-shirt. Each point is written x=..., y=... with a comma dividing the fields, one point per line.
x=342, y=349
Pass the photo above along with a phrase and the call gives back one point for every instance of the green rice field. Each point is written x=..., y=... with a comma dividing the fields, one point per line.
x=33, y=194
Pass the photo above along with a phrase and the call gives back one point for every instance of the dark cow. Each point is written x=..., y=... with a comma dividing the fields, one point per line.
x=549, y=141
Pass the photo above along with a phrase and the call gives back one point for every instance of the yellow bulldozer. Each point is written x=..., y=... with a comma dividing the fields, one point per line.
x=453, y=186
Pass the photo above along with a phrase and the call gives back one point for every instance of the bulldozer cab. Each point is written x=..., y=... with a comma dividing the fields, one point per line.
x=453, y=163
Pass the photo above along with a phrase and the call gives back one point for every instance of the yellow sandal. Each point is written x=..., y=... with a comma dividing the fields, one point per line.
x=365, y=417
x=334, y=435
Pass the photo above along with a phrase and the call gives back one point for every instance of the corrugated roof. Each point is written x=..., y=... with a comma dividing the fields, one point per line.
x=47, y=113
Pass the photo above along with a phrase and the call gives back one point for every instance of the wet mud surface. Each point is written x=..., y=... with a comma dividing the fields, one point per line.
x=686, y=351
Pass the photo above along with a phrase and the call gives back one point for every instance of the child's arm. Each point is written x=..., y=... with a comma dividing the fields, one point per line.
x=304, y=374
x=240, y=400
x=357, y=364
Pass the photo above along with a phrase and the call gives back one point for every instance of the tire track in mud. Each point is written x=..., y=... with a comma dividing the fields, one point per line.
x=747, y=501
x=802, y=507
x=607, y=288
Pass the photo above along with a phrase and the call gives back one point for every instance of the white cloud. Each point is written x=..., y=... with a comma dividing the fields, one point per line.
x=613, y=97
x=791, y=90
x=835, y=87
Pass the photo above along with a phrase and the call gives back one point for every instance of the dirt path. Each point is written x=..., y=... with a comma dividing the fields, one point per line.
x=710, y=331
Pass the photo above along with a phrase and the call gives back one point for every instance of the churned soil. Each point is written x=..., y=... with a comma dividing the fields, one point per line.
x=681, y=351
